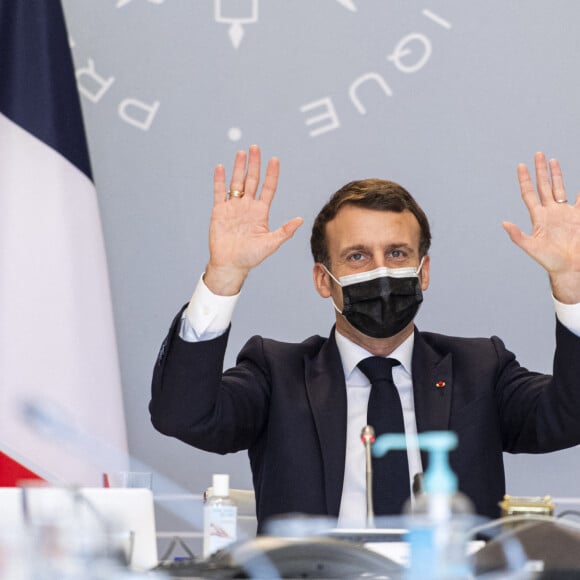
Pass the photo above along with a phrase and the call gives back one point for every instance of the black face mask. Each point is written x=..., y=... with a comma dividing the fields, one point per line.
x=381, y=302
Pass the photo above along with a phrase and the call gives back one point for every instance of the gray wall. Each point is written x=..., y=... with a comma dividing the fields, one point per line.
x=456, y=97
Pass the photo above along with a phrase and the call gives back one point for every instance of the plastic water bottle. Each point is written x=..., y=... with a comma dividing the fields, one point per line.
x=220, y=516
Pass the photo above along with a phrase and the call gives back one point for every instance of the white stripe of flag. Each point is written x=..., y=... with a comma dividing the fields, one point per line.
x=57, y=341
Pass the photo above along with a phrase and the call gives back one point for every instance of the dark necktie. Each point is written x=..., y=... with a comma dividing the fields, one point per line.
x=385, y=415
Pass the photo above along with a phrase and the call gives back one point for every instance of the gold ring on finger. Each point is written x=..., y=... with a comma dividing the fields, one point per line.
x=236, y=193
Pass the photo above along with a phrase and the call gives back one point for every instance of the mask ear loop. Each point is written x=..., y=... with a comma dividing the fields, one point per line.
x=418, y=269
x=331, y=298
x=330, y=274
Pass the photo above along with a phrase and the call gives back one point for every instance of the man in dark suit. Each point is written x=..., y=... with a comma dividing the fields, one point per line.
x=299, y=408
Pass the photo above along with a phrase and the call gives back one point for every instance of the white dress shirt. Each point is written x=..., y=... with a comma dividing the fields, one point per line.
x=209, y=315
x=358, y=389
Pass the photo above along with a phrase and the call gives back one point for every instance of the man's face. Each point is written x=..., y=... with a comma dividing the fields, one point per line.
x=362, y=239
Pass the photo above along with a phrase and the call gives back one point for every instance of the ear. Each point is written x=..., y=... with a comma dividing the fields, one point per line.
x=322, y=281
x=425, y=273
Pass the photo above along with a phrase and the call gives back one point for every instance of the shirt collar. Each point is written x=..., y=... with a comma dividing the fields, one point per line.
x=351, y=353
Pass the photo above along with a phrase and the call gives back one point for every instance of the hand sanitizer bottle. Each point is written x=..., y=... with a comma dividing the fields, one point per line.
x=219, y=517
x=439, y=518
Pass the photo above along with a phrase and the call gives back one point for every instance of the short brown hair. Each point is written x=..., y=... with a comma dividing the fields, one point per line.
x=376, y=194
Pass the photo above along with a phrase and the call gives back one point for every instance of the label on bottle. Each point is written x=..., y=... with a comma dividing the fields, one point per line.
x=219, y=527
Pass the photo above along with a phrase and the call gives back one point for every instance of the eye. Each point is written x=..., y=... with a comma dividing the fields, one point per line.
x=355, y=257
x=397, y=254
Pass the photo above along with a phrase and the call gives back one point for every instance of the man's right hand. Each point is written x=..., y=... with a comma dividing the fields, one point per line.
x=239, y=234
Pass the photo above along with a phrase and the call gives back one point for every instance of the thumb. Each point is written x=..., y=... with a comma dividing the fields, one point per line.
x=515, y=234
x=286, y=231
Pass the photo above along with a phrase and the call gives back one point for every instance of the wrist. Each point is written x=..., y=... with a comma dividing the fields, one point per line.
x=566, y=287
x=224, y=281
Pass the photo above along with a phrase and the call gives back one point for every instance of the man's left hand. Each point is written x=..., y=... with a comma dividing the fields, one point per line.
x=555, y=239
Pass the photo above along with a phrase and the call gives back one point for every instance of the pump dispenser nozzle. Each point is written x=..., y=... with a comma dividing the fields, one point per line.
x=438, y=478
x=440, y=517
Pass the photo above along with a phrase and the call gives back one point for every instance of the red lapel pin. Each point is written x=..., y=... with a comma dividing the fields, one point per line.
x=440, y=384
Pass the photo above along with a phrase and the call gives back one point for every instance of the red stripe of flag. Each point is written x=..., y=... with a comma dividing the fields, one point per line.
x=12, y=473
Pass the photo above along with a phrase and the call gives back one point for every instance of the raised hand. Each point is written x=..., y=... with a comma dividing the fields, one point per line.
x=555, y=239
x=239, y=233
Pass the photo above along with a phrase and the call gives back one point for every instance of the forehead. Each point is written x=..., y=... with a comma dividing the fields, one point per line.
x=354, y=226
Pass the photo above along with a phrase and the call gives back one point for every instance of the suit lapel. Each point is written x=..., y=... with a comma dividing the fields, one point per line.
x=432, y=386
x=326, y=390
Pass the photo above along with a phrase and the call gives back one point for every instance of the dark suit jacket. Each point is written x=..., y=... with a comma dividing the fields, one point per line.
x=286, y=404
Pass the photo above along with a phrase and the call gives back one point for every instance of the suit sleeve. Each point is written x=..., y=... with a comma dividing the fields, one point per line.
x=540, y=413
x=194, y=401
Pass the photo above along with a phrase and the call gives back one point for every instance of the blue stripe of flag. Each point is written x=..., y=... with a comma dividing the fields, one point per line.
x=38, y=89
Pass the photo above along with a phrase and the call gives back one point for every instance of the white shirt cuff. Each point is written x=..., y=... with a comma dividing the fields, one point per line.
x=568, y=315
x=207, y=315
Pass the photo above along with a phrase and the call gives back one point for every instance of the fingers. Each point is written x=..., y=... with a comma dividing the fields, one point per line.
x=270, y=181
x=219, y=184
x=549, y=182
x=247, y=179
x=559, y=192
x=527, y=187
x=543, y=179
x=239, y=171
x=253, y=173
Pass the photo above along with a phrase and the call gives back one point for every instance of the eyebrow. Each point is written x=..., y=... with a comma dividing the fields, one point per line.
x=363, y=248
x=355, y=248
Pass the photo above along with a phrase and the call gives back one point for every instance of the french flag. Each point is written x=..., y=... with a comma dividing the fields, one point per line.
x=58, y=350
